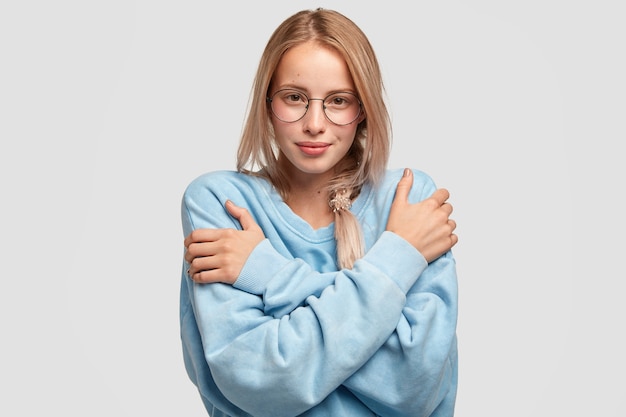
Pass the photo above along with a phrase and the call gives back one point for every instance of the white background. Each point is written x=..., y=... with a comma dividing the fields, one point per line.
x=108, y=109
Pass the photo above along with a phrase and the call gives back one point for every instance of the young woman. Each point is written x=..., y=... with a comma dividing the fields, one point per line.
x=316, y=282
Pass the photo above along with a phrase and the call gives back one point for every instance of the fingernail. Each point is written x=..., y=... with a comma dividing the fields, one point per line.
x=407, y=172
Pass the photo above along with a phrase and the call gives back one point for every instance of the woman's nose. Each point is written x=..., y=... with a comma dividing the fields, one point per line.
x=315, y=119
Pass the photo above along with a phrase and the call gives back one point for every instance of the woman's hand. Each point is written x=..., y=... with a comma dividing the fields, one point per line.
x=425, y=225
x=218, y=255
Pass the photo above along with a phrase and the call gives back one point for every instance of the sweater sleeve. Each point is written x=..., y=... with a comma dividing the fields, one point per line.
x=421, y=353
x=273, y=366
x=282, y=291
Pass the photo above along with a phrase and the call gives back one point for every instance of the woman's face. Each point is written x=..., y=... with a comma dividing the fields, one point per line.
x=312, y=145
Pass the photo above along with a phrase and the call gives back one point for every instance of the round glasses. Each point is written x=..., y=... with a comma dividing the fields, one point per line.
x=289, y=105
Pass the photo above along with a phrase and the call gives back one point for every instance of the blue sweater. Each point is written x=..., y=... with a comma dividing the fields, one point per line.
x=295, y=336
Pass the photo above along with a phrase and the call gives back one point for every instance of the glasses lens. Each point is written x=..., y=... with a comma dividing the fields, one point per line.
x=340, y=108
x=289, y=105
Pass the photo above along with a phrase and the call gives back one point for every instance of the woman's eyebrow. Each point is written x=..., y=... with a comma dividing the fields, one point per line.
x=307, y=91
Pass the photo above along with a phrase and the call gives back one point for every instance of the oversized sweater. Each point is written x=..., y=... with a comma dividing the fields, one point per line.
x=296, y=336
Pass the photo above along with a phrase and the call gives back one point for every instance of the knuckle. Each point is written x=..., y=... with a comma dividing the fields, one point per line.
x=226, y=246
x=195, y=263
x=431, y=203
x=199, y=277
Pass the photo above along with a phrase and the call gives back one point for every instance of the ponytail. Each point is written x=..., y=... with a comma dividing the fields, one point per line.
x=349, y=239
x=348, y=234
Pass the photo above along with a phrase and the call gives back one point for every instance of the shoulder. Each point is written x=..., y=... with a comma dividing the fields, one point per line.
x=205, y=197
x=219, y=182
x=214, y=188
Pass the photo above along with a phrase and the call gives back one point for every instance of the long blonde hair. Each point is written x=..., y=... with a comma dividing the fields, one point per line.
x=366, y=160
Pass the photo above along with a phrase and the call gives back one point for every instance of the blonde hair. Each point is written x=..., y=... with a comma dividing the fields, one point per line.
x=366, y=160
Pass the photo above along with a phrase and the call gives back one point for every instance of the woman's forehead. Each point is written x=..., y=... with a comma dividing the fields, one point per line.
x=314, y=69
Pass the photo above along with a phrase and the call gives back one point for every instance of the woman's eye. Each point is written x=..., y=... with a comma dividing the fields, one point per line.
x=337, y=101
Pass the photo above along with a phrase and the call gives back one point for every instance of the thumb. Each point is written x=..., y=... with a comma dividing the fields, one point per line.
x=241, y=214
x=404, y=186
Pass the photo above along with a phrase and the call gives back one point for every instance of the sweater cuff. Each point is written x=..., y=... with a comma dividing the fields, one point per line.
x=261, y=266
x=398, y=259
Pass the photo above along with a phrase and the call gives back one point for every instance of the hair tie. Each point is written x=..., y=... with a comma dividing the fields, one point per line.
x=340, y=202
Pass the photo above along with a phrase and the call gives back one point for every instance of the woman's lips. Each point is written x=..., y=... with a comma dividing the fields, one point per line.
x=313, y=148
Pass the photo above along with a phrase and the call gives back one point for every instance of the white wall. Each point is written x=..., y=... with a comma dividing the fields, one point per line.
x=109, y=108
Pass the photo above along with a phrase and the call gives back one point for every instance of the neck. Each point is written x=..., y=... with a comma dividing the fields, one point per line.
x=311, y=204
x=308, y=198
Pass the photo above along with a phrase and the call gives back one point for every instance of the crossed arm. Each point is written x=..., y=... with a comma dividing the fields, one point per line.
x=387, y=319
